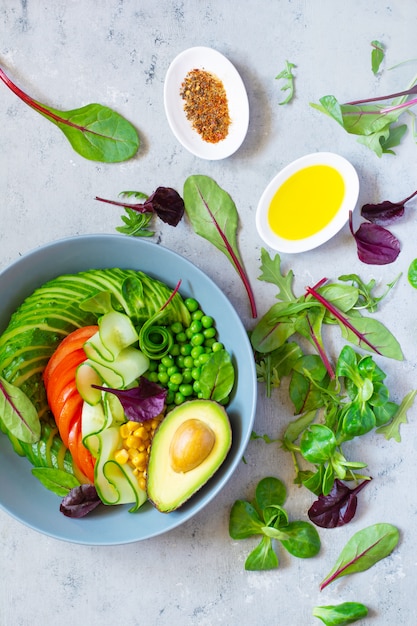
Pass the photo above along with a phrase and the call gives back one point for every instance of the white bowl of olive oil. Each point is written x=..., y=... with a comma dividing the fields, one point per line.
x=307, y=202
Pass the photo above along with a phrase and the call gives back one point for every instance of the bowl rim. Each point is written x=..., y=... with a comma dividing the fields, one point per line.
x=351, y=180
x=85, y=531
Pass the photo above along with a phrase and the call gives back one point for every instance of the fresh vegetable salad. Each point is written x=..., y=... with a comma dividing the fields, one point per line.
x=91, y=364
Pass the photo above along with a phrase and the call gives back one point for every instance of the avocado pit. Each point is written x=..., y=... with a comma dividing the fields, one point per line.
x=191, y=444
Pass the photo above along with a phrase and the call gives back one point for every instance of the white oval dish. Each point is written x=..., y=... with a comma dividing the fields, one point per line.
x=351, y=184
x=214, y=62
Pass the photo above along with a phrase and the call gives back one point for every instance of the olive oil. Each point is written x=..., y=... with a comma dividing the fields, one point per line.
x=306, y=202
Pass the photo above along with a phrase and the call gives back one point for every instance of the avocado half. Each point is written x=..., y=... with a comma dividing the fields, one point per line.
x=189, y=446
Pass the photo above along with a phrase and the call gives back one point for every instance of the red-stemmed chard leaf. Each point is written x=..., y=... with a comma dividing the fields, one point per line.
x=140, y=403
x=80, y=501
x=214, y=216
x=165, y=202
x=376, y=245
x=385, y=212
x=338, y=507
x=95, y=131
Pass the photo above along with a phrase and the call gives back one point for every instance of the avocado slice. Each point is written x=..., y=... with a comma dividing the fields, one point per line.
x=189, y=446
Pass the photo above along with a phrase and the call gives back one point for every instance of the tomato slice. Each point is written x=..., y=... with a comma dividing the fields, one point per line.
x=69, y=413
x=81, y=456
x=74, y=341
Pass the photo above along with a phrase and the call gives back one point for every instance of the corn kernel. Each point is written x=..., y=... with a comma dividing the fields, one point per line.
x=121, y=456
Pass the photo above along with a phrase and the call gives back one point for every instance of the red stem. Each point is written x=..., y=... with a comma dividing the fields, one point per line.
x=334, y=311
x=39, y=107
x=136, y=207
x=407, y=92
x=235, y=260
x=320, y=350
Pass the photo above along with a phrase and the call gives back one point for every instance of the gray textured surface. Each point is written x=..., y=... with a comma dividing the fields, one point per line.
x=68, y=53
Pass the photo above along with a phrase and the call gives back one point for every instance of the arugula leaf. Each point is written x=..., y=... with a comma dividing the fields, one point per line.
x=271, y=273
x=363, y=550
x=392, y=430
x=18, y=413
x=94, y=131
x=287, y=75
x=213, y=215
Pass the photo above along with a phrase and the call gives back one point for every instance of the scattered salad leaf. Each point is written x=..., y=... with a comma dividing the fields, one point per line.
x=332, y=404
x=391, y=430
x=373, y=123
x=56, y=480
x=377, y=55
x=165, y=202
x=385, y=212
x=18, y=413
x=338, y=507
x=214, y=216
x=267, y=517
x=80, y=501
x=94, y=131
x=363, y=550
x=376, y=245
x=140, y=403
x=288, y=76
x=340, y=614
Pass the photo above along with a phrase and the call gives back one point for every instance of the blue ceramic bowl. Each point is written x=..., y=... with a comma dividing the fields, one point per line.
x=21, y=495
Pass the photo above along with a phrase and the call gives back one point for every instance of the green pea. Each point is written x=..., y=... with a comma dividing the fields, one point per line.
x=172, y=386
x=217, y=346
x=172, y=370
x=179, y=361
x=186, y=349
x=176, y=328
x=203, y=358
x=153, y=366
x=181, y=337
x=167, y=360
x=186, y=389
x=176, y=378
x=170, y=397
x=153, y=377
x=191, y=304
x=195, y=373
x=196, y=351
x=209, y=342
x=175, y=350
x=209, y=332
x=179, y=398
x=188, y=361
x=161, y=367
x=186, y=375
x=163, y=377
x=196, y=386
x=197, y=315
x=197, y=339
x=207, y=321
x=188, y=333
x=196, y=327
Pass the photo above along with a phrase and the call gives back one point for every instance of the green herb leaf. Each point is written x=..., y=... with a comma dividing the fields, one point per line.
x=94, y=131
x=270, y=491
x=213, y=215
x=263, y=557
x=18, y=414
x=363, y=550
x=271, y=273
x=288, y=76
x=392, y=430
x=57, y=481
x=302, y=539
x=217, y=376
x=377, y=55
x=244, y=521
x=135, y=224
x=340, y=614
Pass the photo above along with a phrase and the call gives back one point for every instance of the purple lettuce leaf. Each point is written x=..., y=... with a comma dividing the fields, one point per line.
x=80, y=501
x=338, y=507
x=140, y=403
x=376, y=245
